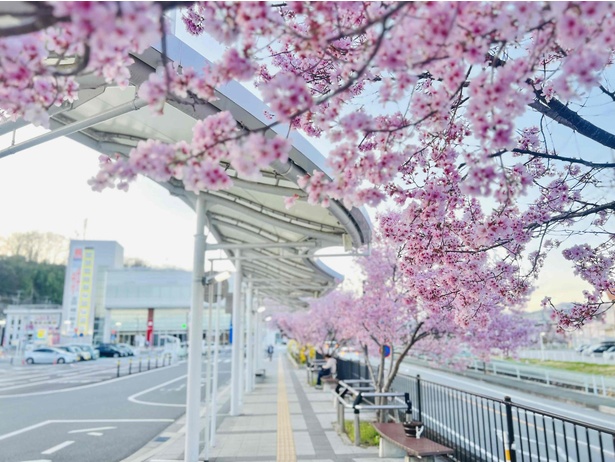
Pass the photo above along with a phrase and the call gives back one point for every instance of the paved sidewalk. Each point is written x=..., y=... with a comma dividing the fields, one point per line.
x=283, y=420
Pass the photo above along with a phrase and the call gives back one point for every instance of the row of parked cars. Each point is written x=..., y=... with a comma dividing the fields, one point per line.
x=604, y=349
x=72, y=353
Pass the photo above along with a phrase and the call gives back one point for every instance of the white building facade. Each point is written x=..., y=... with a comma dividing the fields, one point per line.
x=82, y=304
x=32, y=324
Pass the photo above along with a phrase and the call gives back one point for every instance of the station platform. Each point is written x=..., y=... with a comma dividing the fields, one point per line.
x=283, y=420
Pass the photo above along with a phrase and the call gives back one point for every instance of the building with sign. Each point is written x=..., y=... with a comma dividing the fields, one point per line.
x=82, y=304
x=32, y=324
x=146, y=305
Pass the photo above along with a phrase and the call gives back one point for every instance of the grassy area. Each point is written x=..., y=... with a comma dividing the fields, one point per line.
x=585, y=368
x=369, y=436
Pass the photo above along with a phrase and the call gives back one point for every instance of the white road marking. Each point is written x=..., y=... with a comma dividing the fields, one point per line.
x=85, y=430
x=90, y=385
x=95, y=434
x=46, y=422
x=23, y=430
x=134, y=399
x=57, y=448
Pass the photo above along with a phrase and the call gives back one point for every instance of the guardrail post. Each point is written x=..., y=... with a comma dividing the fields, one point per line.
x=418, y=397
x=603, y=385
x=139, y=364
x=130, y=366
x=156, y=361
x=408, y=413
x=118, y=367
x=547, y=378
x=357, y=428
x=509, y=438
x=148, y=362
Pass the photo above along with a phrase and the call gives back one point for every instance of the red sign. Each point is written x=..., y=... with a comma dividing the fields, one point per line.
x=149, y=333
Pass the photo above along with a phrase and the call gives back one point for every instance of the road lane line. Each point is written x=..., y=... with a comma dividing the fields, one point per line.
x=85, y=430
x=90, y=385
x=95, y=434
x=23, y=430
x=46, y=422
x=133, y=398
x=57, y=448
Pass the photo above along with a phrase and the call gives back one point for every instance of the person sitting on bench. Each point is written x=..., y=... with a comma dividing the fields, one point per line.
x=328, y=369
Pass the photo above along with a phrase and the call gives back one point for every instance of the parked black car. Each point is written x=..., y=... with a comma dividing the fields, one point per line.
x=109, y=351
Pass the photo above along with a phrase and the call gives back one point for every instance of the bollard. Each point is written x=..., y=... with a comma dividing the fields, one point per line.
x=148, y=362
x=418, y=398
x=118, y=367
x=130, y=366
x=357, y=428
x=139, y=364
x=156, y=361
x=509, y=437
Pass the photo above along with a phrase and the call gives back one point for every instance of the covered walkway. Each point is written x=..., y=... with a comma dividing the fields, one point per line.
x=283, y=420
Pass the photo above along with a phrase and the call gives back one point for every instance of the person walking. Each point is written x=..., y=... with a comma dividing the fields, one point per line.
x=270, y=352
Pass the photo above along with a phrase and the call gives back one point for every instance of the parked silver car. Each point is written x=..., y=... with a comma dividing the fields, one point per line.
x=49, y=355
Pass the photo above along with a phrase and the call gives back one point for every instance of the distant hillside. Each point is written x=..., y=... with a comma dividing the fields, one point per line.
x=23, y=281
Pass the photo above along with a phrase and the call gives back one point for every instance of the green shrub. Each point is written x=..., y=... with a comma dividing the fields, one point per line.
x=369, y=436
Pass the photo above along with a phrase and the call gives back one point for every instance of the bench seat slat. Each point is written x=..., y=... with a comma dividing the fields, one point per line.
x=394, y=433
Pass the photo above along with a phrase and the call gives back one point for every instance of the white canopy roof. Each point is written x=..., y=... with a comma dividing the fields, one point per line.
x=277, y=244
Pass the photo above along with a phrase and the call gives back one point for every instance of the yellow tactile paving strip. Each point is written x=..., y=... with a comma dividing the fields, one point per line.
x=286, y=442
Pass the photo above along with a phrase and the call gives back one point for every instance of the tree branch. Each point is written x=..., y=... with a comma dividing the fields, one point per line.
x=562, y=114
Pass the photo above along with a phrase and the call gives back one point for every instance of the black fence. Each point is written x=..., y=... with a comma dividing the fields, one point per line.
x=350, y=370
x=481, y=428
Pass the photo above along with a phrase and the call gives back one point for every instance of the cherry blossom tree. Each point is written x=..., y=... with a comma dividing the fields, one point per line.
x=476, y=119
x=423, y=312
x=322, y=326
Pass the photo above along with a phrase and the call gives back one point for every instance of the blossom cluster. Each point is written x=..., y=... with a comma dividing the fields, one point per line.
x=422, y=103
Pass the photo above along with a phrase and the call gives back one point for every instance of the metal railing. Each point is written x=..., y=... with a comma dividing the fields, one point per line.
x=481, y=428
x=591, y=384
x=359, y=395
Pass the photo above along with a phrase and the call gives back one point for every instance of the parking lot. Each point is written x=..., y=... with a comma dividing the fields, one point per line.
x=17, y=378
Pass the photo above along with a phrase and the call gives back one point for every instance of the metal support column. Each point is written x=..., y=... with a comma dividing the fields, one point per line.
x=195, y=336
x=214, y=391
x=209, y=365
x=249, y=339
x=236, y=352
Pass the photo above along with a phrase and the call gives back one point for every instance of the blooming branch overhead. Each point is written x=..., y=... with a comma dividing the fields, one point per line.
x=461, y=114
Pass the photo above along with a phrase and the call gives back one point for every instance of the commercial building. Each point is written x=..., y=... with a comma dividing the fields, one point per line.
x=144, y=305
x=32, y=324
x=84, y=286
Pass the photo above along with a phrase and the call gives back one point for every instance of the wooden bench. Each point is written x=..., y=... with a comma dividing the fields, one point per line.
x=395, y=443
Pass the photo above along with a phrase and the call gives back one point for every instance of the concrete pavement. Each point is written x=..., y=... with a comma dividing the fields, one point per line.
x=283, y=420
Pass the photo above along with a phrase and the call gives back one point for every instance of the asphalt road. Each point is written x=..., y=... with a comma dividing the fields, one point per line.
x=105, y=421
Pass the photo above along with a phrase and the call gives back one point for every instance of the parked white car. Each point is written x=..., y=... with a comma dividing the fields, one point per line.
x=49, y=355
x=609, y=354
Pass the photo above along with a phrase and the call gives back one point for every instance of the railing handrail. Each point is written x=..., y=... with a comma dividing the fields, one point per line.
x=521, y=406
